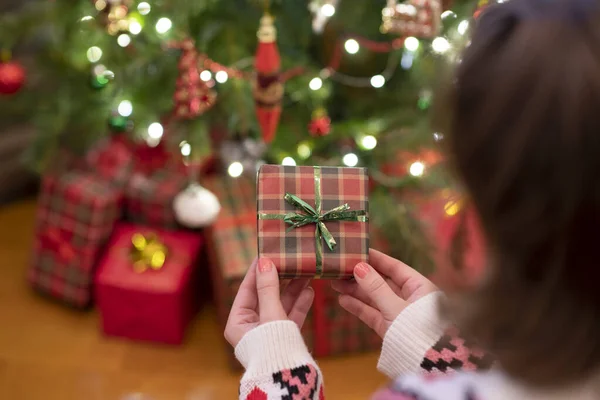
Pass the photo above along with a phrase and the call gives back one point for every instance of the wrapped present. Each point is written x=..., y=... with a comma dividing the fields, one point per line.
x=312, y=221
x=145, y=283
x=76, y=215
x=329, y=330
x=112, y=160
x=149, y=198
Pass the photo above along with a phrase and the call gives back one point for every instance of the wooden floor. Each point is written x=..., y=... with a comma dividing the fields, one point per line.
x=52, y=353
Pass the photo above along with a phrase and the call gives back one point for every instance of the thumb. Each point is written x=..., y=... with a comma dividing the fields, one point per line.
x=267, y=288
x=378, y=291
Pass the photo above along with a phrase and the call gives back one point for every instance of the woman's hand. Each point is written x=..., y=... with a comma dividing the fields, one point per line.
x=382, y=290
x=258, y=301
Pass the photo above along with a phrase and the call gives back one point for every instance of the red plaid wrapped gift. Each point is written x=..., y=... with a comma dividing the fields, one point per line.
x=149, y=198
x=329, y=330
x=76, y=214
x=112, y=160
x=146, y=281
x=312, y=221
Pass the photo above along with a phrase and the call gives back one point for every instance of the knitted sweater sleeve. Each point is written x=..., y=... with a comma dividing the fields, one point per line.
x=278, y=364
x=418, y=341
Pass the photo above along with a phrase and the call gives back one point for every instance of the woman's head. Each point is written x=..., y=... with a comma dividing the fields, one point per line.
x=525, y=142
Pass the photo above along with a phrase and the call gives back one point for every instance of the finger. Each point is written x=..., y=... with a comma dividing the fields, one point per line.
x=351, y=288
x=246, y=296
x=367, y=314
x=395, y=269
x=377, y=290
x=301, y=307
x=267, y=289
x=291, y=292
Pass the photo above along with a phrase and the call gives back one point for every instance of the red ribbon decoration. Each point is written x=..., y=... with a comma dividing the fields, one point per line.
x=59, y=242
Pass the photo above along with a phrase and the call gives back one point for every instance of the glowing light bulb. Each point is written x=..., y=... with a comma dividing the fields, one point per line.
x=448, y=14
x=155, y=130
x=328, y=10
x=135, y=27
x=315, y=83
x=437, y=136
x=86, y=18
x=123, y=40
x=417, y=168
x=377, y=81
x=186, y=149
x=144, y=8
x=304, y=151
x=440, y=45
x=350, y=160
x=100, y=5
x=221, y=76
x=352, y=46
x=368, y=142
x=463, y=26
x=205, y=75
x=163, y=25
x=288, y=161
x=411, y=43
x=235, y=169
x=94, y=54
x=125, y=108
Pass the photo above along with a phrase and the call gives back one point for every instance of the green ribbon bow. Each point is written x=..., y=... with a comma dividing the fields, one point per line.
x=315, y=216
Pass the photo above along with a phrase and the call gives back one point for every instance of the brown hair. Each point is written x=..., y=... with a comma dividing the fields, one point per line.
x=524, y=138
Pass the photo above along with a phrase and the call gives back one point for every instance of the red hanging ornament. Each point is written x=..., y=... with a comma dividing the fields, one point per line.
x=320, y=125
x=268, y=85
x=419, y=18
x=192, y=96
x=12, y=77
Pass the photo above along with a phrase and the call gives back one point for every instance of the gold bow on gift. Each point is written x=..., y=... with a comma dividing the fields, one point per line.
x=147, y=252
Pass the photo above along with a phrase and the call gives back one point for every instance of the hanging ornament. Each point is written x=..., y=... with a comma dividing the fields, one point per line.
x=320, y=125
x=419, y=18
x=100, y=76
x=119, y=123
x=268, y=85
x=12, y=75
x=196, y=206
x=192, y=96
x=113, y=14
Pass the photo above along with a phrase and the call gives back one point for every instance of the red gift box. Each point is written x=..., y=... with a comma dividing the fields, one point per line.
x=154, y=305
x=75, y=216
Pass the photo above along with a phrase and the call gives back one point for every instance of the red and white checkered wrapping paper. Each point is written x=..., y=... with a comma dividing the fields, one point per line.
x=294, y=252
x=76, y=215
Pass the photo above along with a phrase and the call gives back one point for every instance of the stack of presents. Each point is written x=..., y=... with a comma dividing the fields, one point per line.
x=106, y=234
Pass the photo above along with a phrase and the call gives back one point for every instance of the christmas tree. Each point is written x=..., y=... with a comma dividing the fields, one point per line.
x=325, y=82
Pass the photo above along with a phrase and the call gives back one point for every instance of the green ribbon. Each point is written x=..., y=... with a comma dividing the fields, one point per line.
x=315, y=216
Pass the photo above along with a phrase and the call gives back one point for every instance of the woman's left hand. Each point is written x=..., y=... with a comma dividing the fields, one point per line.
x=259, y=301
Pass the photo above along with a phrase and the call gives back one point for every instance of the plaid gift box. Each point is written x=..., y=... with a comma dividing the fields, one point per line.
x=112, y=160
x=76, y=215
x=149, y=198
x=330, y=330
x=312, y=221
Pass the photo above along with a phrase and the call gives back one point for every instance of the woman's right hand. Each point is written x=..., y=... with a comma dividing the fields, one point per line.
x=382, y=290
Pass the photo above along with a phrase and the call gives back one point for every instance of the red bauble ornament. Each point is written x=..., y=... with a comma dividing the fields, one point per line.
x=320, y=125
x=12, y=77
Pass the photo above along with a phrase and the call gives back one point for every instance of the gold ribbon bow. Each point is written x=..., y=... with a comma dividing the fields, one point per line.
x=147, y=252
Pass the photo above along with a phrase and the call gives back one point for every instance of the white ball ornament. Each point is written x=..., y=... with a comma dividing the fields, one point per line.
x=196, y=207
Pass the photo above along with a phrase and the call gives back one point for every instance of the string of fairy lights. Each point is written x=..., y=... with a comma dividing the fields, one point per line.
x=127, y=28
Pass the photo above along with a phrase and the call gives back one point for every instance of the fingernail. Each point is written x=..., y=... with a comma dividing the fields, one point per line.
x=361, y=270
x=264, y=265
